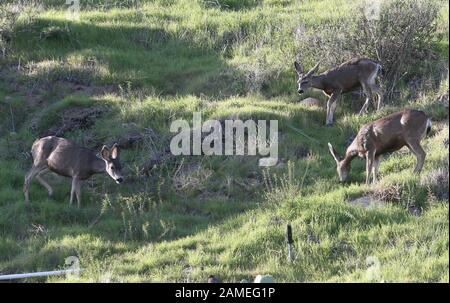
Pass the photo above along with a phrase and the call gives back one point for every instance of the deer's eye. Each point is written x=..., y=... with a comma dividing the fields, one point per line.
x=113, y=168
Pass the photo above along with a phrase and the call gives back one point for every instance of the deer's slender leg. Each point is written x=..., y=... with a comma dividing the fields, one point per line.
x=376, y=166
x=370, y=159
x=75, y=191
x=35, y=170
x=379, y=93
x=78, y=192
x=72, y=190
x=368, y=92
x=417, y=150
x=331, y=107
x=44, y=183
x=328, y=106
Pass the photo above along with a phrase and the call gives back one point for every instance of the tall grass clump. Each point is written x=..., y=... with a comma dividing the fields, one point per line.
x=283, y=190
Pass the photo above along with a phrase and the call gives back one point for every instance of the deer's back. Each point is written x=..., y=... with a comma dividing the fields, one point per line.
x=392, y=132
x=348, y=75
x=63, y=156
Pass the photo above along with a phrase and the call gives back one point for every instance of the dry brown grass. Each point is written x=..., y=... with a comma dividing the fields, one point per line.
x=436, y=182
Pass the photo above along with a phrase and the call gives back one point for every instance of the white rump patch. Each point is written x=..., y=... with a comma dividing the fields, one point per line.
x=403, y=120
x=427, y=128
x=372, y=77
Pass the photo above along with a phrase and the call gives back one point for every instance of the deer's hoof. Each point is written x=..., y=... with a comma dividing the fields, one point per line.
x=329, y=124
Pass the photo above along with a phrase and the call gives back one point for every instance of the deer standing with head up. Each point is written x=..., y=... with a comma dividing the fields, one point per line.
x=349, y=76
x=65, y=158
x=388, y=134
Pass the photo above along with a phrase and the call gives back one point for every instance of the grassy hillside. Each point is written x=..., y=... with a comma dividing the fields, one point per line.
x=128, y=69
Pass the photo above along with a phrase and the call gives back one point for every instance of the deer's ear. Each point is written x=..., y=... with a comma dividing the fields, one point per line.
x=333, y=152
x=313, y=70
x=298, y=68
x=105, y=153
x=115, y=151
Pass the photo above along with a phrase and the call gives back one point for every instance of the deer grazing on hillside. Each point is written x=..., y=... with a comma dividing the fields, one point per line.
x=65, y=158
x=388, y=134
x=349, y=76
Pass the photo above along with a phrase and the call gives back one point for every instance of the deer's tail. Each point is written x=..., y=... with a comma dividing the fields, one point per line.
x=379, y=68
x=429, y=125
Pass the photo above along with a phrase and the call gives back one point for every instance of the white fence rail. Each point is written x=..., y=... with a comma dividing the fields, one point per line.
x=39, y=274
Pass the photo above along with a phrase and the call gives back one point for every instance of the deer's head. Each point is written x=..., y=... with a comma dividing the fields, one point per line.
x=304, y=79
x=342, y=167
x=112, y=162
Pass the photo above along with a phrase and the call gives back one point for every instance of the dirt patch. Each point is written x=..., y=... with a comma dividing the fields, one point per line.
x=75, y=118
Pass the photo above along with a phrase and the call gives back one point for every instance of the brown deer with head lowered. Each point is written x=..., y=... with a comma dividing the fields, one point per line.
x=388, y=134
x=65, y=158
x=349, y=76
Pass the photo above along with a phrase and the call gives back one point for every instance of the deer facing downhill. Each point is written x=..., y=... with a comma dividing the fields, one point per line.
x=65, y=158
x=349, y=76
x=388, y=134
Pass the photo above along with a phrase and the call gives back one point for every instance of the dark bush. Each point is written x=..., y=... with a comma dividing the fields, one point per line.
x=399, y=34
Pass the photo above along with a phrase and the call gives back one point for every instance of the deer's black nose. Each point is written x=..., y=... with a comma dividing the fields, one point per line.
x=119, y=180
x=300, y=91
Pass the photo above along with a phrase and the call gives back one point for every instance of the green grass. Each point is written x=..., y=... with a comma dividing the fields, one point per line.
x=215, y=215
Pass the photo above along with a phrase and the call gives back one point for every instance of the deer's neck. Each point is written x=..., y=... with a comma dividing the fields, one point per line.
x=350, y=153
x=349, y=156
x=317, y=82
x=98, y=166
